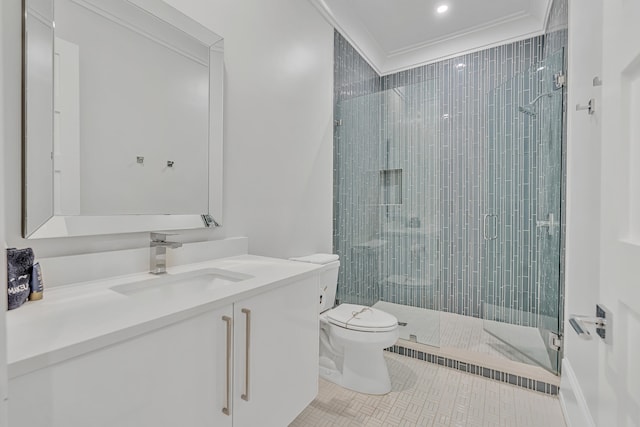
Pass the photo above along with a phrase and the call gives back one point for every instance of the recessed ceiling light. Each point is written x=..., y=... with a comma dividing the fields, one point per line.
x=461, y=65
x=445, y=116
x=442, y=8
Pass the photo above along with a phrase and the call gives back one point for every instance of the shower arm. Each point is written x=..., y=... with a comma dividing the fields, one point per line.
x=549, y=94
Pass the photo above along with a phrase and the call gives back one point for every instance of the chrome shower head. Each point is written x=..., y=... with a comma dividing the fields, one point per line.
x=527, y=111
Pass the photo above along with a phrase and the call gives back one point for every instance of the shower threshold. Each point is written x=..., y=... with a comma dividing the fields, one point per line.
x=461, y=342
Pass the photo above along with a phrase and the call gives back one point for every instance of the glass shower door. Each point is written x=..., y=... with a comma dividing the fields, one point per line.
x=410, y=210
x=386, y=231
x=521, y=224
x=357, y=197
x=549, y=213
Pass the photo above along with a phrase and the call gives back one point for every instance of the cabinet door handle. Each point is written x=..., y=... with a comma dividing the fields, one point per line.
x=229, y=321
x=245, y=395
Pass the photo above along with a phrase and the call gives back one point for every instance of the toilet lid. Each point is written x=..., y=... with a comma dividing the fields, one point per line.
x=361, y=318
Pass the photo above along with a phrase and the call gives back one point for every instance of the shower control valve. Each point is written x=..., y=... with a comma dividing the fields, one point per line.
x=549, y=223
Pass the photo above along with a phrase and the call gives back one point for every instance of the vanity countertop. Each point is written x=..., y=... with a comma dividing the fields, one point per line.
x=78, y=318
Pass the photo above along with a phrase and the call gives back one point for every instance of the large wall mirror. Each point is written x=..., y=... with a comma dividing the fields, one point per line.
x=122, y=118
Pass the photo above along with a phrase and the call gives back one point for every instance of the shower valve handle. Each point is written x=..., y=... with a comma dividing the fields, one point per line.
x=549, y=223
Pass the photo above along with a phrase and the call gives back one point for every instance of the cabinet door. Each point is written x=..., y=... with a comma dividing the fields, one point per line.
x=174, y=376
x=282, y=374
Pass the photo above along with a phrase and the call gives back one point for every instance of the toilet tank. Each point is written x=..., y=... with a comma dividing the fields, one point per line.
x=328, y=277
x=328, y=285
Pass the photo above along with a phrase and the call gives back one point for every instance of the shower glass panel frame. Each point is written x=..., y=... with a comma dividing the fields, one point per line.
x=522, y=222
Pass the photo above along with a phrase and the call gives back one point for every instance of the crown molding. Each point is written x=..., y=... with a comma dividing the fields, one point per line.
x=355, y=33
x=546, y=14
x=515, y=30
x=392, y=68
x=459, y=34
x=511, y=28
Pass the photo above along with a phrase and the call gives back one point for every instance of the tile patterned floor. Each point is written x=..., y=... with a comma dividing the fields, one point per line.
x=428, y=395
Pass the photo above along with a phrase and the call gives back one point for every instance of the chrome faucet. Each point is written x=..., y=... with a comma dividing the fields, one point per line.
x=158, y=258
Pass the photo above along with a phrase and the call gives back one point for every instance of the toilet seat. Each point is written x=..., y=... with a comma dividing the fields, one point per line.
x=361, y=318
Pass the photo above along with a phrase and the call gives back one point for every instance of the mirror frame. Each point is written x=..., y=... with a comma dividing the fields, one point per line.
x=87, y=225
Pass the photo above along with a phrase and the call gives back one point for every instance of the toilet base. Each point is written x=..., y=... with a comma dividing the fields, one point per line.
x=362, y=369
x=332, y=375
x=366, y=372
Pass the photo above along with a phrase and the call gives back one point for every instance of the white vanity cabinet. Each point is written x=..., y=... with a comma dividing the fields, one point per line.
x=173, y=376
x=177, y=375
x=281, y=378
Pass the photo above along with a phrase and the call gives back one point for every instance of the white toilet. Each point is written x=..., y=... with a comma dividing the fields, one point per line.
x=352, y=337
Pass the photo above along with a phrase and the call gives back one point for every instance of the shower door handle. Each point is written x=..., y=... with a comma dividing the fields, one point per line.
x=485, y=224
x=495, y=227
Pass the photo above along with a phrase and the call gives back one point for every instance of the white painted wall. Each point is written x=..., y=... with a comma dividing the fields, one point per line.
x=580, y=365
x=278, y=129
x=3, y=270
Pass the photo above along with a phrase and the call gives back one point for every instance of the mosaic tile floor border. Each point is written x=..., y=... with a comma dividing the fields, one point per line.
x=475, y=369
x=454, y=331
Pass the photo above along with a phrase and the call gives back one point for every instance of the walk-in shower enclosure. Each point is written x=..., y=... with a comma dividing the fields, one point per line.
x=447, y=191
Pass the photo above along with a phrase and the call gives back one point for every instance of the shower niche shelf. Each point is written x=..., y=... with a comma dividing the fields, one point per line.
x=391, y=187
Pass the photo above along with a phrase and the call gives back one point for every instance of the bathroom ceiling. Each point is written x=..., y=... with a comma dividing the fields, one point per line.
x=398, y=34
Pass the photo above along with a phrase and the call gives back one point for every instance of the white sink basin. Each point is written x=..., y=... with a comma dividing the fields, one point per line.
x=198, y=280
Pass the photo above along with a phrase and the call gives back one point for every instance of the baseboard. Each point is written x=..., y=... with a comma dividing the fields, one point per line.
x=572, y=401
